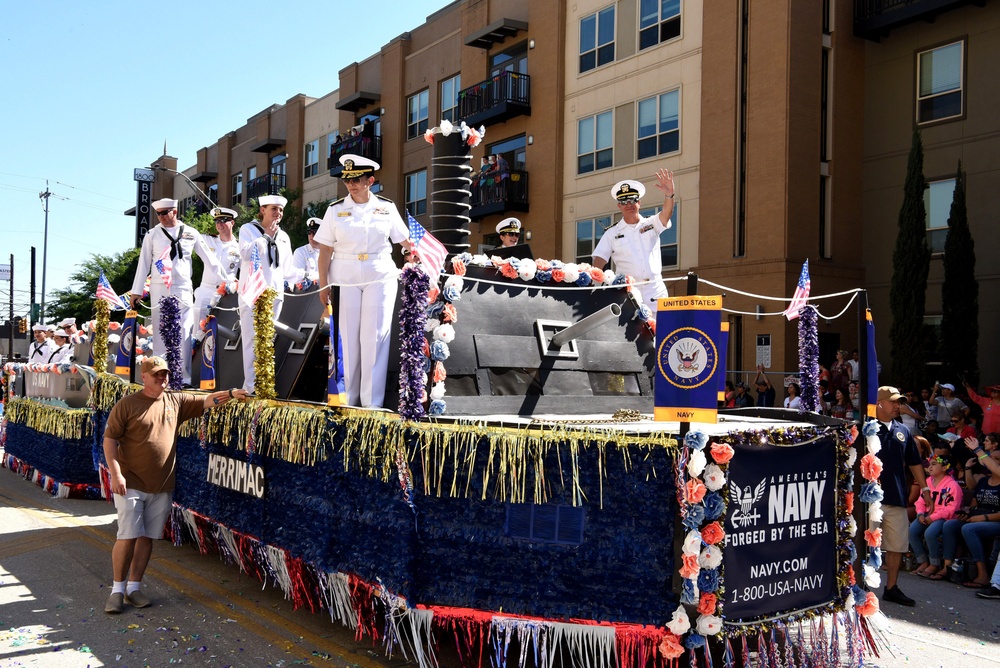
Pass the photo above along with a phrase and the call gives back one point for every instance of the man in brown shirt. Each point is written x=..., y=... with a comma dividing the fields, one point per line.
x=140, y=446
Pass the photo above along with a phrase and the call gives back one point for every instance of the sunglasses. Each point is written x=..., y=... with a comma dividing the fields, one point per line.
x=223, y=221
x=357, y=179
x=629, y=200
x=508, y=234
x=163, y=213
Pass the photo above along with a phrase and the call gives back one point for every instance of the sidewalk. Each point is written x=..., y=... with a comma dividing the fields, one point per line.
x=55, y=578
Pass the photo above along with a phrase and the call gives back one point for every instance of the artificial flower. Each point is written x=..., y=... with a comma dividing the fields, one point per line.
x=721, y=452
x=714, y=505
x=849, y=502
x=714, y=477
x=873, y=579
x=871, y=467
x=707, y=604
x=713, y=533
x=708, y=579
x=694, y=491
x=870, y=605
x=696, y=463
x=670, y=646
x=690, y=567
x=696, y=440
x=692, y=543
x=694, y=517
x=679, y=623
x=711, y=557
x=709, y=625
x=873, y=538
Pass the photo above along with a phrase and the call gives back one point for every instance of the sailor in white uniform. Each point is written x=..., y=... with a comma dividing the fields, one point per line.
x=68, y=325
x=63, y=351
x=42, y=347
x=358, y=232
x=180, y=241
x=634, y=242
x=227, y=251
x=275, y=251
x=305, y=258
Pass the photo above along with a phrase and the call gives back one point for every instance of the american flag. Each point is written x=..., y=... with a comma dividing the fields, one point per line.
x=432, y=252
x=108, y=294
x=801, y=295
x=166, y=267
x=253, y=286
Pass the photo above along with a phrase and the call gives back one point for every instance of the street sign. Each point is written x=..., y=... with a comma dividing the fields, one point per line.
x=4, y=272
x=764, y=350
x=142, y=174
x=143, y=203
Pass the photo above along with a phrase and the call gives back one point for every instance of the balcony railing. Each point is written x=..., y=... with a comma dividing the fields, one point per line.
x=366, y=147
x=495, y=100
x=268, y=184
x=495, y=195
x=873, y=19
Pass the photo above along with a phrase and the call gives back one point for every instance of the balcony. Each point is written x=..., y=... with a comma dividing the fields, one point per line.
x=873, y=19
x=269, y=184
x=495, y=100
x=366, y=147
x=509, y=193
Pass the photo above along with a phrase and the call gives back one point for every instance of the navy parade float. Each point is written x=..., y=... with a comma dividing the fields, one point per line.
x=552, y=473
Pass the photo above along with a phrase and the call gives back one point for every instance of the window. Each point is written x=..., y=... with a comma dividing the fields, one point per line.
x=659, y=21
x=588, y=233
x=668, y=238
x=251, y=173
x=597, y=39
x=278, y=166
x=937, y=202
x=594, y=142
x=545, y=523
x=659, y=125
x=213, y=192
x=416, y=193
x=238, y=188
x=331, y=141
x=449, y=97
x=416, y=115
x=310, y=159
x=514, y=59
x=939, y=83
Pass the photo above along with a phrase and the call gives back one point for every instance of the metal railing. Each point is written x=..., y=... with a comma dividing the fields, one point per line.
x=506, y=87
x=268, y=184
x=366, y=147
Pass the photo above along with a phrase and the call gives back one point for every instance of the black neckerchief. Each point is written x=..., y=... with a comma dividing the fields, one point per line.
x=56, y=351
x=176, y=252
x=38, y=347
x=273, y=257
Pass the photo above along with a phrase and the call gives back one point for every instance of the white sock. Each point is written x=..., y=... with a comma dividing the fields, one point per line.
x=133, y=586
x=117, y=587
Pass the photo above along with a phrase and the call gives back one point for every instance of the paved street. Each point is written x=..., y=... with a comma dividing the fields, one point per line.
x=54, y=565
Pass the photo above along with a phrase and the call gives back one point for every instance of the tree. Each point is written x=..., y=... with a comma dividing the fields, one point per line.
x=960, y=293
x=910, y=265
x=77, y=301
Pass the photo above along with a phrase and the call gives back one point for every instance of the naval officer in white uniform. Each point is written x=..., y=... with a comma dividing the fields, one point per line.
x=275, y=251
x=227, y=252
x=181, y=240
x=306, y=258
x=357, y=233
x=634, y=242
x=42, y=346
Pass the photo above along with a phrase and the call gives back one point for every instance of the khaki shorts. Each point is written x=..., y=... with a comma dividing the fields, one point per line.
x=141, y=514
x=895, y=529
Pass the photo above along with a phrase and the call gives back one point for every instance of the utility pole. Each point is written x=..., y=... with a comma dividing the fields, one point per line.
x=32, y=310
x=10, y=321
x=45, y=247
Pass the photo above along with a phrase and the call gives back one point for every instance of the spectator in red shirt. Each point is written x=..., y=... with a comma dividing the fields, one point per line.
x=990, y=406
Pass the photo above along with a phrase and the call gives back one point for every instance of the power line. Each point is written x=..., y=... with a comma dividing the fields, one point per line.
x=119, y=199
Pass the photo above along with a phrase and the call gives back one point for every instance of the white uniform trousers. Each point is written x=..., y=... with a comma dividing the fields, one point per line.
x=156, y=292
x=365, y=319
x=202, y=296
x=247, y=337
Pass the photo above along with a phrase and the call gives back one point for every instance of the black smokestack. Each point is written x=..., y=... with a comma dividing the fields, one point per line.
x=451, y=192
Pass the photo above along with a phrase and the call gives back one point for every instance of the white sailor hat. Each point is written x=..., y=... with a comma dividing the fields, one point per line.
x=50, y=328
x=266, y=200
x=67, y=322
x=164, y=204
x=628, y=189
x=312, y=225
x=223, y=212
x=40, y=328
x=62, y=333
x=509, y=225
x=356, y=165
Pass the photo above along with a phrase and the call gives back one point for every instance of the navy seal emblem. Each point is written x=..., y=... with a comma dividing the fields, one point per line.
x=687, y=357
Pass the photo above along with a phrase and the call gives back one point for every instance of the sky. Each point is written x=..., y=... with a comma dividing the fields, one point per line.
x=92, y=90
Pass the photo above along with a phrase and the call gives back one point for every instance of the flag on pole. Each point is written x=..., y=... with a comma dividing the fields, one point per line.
x=872, y=364
x=801, y=296
x=432, y=252
x=166, y=267
x=108, y=294
x=253, y=286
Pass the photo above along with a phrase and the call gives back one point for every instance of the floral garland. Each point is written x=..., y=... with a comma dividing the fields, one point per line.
x=871, y=493
x=170, y=330
x=442, y=313
x=471, y=136
x=100, y=347
x=701, y=500
x=263, y=345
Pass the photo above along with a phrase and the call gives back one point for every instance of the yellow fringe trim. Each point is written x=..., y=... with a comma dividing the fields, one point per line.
x=67, y=424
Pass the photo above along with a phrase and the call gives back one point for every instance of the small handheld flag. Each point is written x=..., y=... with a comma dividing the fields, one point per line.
x=108, y=294
x=801, y=295
x=166, y=267
x=432, y=252
x=253, y=285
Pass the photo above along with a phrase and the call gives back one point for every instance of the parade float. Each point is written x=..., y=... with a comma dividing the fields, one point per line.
x=553, y=484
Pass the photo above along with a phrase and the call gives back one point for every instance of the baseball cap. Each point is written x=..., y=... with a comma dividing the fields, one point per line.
x=889, y=393
x=154, y=364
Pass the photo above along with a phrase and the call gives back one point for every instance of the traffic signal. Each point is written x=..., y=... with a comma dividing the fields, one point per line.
x=22, y=326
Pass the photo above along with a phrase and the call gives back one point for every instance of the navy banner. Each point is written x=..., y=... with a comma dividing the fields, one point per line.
x=780, y=554
x=688, y=358
x=123, y=359
x=872, y=363
x=723, y=349
x=208, y=353
x=335, y=394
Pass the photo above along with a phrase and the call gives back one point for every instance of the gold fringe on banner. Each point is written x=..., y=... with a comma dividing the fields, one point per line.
x=108, y=389
x=67, y=424
x=522, y=464
x=100, y=347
